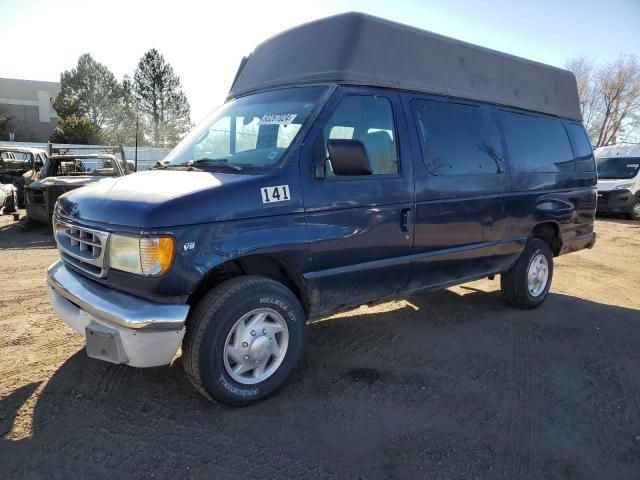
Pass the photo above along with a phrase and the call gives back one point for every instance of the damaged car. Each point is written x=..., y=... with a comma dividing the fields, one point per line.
x=62, y=173
x=8, y=200
x=19, y=167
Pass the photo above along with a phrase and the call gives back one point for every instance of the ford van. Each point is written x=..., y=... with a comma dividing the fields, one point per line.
x=355, y=160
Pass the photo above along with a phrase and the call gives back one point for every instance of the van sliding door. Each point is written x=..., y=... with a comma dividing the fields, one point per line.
x=460, y=183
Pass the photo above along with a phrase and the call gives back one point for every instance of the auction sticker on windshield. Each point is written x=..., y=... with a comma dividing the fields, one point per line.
x=278, y=118
x=278, y=193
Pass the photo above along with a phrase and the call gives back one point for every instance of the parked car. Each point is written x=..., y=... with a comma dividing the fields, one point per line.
x=355, y=160
x=63, y=173
x=619, y=180
x=8, y=200
x=19, y=167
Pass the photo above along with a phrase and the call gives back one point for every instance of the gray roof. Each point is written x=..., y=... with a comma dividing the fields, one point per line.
x=358, y=49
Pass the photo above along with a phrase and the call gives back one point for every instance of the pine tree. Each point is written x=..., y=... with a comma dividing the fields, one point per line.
x=160, y=100
x=76, y=129
x=123, y=130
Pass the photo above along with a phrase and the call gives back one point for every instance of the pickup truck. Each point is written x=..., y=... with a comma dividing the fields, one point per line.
x=63, y=173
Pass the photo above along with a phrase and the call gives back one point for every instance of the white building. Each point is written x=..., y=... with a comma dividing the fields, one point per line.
x=29, y=104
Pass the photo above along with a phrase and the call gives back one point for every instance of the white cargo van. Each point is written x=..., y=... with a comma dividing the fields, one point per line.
x=619, y=180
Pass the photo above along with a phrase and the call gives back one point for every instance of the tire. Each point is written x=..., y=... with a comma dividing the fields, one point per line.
x=209, y=330
x=634, y=213
x=515, y=285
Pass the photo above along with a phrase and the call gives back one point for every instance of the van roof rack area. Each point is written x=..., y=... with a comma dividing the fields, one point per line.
x=360, y=49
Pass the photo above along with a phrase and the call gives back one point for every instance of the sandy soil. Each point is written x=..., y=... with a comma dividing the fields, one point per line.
x=452, y=384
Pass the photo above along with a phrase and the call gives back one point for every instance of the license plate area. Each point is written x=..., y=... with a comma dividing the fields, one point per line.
x=104, y=344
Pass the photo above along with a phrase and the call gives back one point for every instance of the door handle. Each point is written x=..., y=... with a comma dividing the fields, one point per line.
x=405, y=221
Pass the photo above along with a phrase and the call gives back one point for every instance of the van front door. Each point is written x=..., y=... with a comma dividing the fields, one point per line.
x=460, y=187
x=359, y=226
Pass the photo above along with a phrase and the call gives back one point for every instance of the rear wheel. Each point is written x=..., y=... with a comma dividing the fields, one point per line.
x=634, y=214
x=527, y=283
x=243, y=340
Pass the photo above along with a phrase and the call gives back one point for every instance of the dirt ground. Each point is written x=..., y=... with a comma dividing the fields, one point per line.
x=452, y=384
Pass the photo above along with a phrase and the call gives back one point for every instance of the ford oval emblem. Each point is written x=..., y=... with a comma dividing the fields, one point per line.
x=74, y=210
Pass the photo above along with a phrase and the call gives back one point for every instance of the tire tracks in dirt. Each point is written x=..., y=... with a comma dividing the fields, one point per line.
x=519, y=457
x=628, y=382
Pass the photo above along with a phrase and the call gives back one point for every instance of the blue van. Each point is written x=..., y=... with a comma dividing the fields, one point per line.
x=355, y=160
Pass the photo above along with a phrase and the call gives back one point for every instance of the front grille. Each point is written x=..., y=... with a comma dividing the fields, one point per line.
x=36, y=196
x=82, y=247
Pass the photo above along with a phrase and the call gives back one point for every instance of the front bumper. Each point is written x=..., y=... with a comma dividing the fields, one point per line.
x=37, y=212
x=118, y=327
x=616, y=201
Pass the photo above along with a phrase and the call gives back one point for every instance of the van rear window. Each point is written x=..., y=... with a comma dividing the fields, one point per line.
x=536, y=144
x=584, y=153
x=457, y=139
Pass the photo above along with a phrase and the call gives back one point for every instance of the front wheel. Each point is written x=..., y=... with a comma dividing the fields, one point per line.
x=634, y=214
x=243, y=340
x=527, y=283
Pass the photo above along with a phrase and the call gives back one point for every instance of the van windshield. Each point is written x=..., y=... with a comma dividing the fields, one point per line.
x=246, y=134
x=618, y=168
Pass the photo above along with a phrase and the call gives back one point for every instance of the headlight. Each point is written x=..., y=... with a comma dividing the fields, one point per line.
x=150, y=256
x=624, y=186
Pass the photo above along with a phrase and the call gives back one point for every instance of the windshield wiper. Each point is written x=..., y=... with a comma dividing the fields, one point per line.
x=217, y=162
x=181, y=166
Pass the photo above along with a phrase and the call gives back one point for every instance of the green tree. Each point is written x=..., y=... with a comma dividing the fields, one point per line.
x=161, y=102
x=88, y=91
x=76, y=129
x=123, y=129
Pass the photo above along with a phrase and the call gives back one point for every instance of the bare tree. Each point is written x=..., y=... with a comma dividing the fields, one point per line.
x=609, y=98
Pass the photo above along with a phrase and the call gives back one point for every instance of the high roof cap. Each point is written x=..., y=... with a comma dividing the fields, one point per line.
x=358, y=49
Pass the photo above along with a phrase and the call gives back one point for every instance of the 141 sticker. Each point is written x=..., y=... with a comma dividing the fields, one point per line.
x=278, y=193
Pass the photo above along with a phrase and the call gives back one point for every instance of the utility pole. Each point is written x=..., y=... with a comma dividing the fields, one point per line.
x=136, y=151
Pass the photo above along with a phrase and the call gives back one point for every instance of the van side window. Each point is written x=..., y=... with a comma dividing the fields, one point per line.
x=584, y=153
x=369, y=119
x=536, y=144
x=457, y=139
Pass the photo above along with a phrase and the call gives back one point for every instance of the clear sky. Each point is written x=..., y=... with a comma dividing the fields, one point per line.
x=205, y=40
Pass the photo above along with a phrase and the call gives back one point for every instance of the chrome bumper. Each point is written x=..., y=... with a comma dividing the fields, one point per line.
x=112, y=306
x=118, y=327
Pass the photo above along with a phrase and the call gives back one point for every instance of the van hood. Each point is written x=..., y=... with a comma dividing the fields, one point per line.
x=607, y=185
x=156, y=198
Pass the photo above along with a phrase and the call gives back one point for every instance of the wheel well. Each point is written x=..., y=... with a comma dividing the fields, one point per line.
x=549, y=232
x=274, y=267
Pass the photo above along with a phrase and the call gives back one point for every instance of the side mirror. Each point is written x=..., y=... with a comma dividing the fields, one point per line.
x=348, y=157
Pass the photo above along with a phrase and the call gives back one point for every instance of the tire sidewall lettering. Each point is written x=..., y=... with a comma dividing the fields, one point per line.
x=280, y=305
x=242, y=392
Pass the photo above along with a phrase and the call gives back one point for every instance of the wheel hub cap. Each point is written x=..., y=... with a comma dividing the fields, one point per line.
x=256, y=346
x=537, y=275
x=260, y=348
